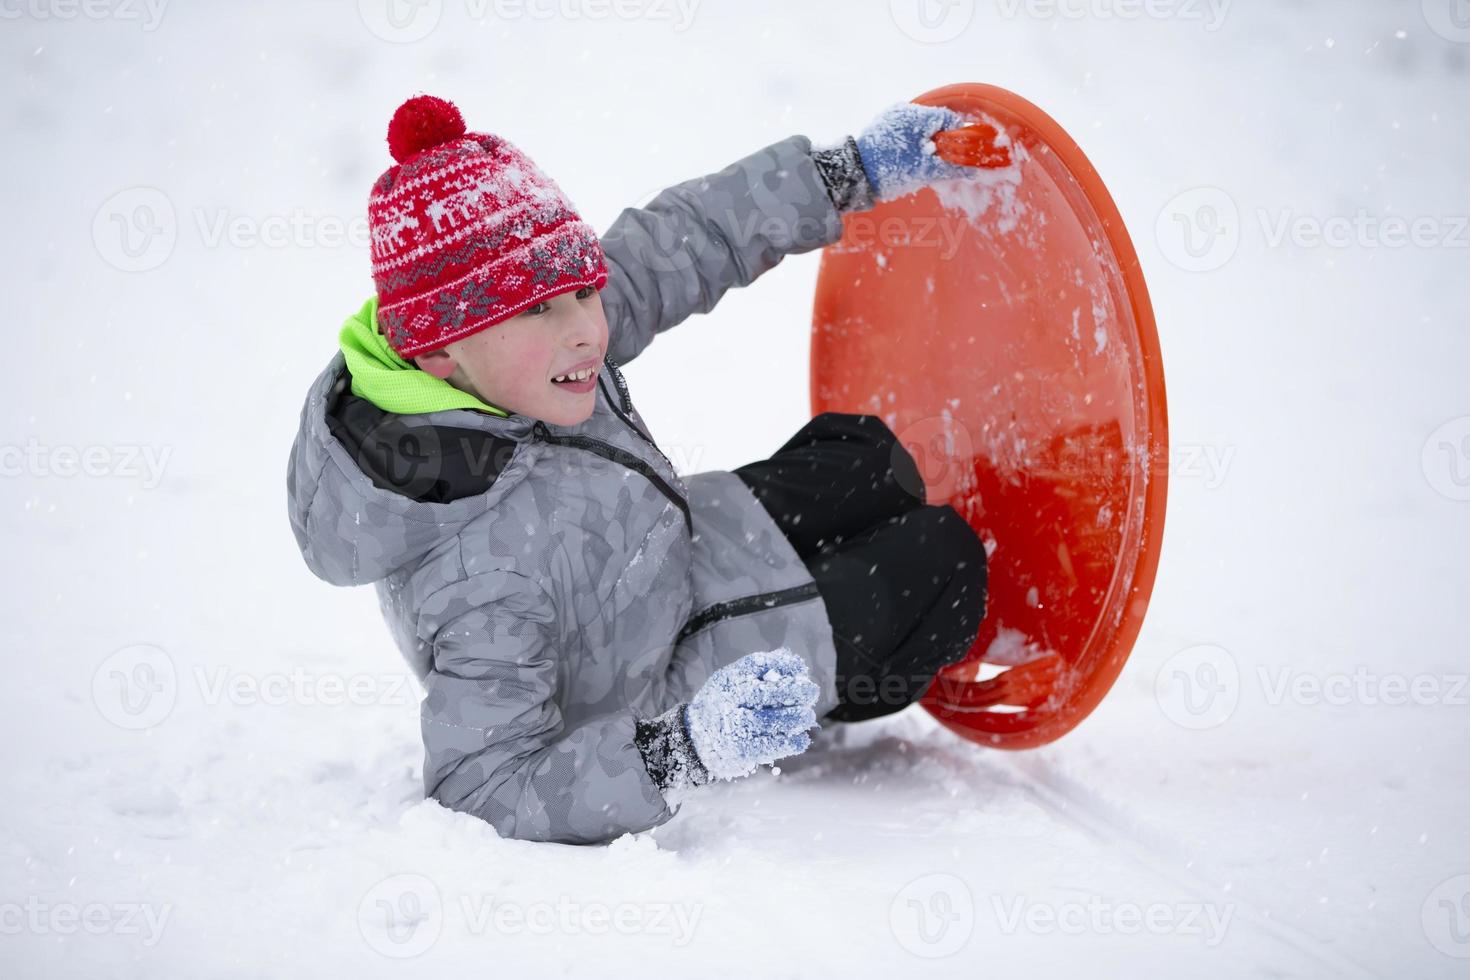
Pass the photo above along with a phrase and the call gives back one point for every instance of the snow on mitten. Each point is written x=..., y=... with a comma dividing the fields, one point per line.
x=897, y=149
x=753, y=711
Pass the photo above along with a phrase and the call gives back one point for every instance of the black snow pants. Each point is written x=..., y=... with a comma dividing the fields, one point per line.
x=904, y=582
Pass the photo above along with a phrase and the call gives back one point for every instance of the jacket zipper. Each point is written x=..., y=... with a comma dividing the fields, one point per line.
x=622, y=385
x=621, y=456
x=746, y=604
x=627, y=402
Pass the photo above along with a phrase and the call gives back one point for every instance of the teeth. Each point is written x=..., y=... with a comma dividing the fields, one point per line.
x=582, y=375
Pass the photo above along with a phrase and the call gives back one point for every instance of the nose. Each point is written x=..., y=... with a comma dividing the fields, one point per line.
x=583, y=330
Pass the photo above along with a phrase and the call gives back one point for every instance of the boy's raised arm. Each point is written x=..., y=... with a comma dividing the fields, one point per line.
x=677, y=255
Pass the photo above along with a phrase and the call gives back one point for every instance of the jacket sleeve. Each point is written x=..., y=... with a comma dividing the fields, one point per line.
x=494, y=742
x=677, y=255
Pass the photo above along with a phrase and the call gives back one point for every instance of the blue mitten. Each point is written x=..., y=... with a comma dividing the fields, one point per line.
x=752, y=711
x=897, y=149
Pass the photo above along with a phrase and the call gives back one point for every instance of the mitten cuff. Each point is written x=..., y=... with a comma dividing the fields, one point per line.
x=668, y=753
x=841, y=167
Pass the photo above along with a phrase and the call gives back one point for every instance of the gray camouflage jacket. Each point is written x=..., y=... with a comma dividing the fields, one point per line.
x=582, y=585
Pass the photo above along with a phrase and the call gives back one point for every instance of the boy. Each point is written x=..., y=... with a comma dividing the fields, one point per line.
x=594, y=633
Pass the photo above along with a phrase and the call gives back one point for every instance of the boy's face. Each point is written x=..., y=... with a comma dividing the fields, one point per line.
x=511, y=364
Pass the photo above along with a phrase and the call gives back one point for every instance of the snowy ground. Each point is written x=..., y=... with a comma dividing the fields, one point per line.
x=1287, y=816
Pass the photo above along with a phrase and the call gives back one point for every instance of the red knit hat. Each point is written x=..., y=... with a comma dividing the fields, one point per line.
x=467, y=232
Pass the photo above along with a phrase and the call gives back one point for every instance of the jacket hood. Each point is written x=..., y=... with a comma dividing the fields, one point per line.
x=370, y=490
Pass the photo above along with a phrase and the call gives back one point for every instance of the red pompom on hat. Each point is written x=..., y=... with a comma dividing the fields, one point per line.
x=467, y=232
x=421, y=122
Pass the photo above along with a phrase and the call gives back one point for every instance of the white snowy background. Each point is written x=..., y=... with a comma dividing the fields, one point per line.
x=1254, y=798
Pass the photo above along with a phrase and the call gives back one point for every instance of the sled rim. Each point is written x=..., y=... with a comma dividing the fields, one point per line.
x=968, y=707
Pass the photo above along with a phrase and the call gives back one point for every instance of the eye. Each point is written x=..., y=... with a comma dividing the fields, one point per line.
x=536, y=310
x=586, y=292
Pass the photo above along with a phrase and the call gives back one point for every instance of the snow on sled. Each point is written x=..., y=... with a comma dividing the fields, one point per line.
x=1001, y=326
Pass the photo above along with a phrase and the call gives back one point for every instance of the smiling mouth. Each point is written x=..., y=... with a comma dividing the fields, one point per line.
x=575, y=377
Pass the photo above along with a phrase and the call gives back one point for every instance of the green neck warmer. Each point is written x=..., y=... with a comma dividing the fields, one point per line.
x=390, y=382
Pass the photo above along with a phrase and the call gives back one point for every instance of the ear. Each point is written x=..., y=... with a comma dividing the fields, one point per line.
x=439, y=363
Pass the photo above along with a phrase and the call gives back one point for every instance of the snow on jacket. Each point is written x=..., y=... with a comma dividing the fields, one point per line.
x=581, y=584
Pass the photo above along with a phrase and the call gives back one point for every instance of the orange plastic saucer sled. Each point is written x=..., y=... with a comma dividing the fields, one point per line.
x=1001, y=326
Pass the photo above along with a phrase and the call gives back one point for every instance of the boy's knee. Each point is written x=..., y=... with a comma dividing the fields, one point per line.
x=879, y=452
x=893, y=455
x=955, y=548
x=902, y=465
x=854, y=427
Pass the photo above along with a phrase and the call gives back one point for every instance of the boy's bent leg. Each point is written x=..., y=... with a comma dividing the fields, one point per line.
x=839, y=475
x=904, y=598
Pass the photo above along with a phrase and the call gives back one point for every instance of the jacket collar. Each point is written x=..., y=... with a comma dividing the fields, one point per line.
x=389, y=381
